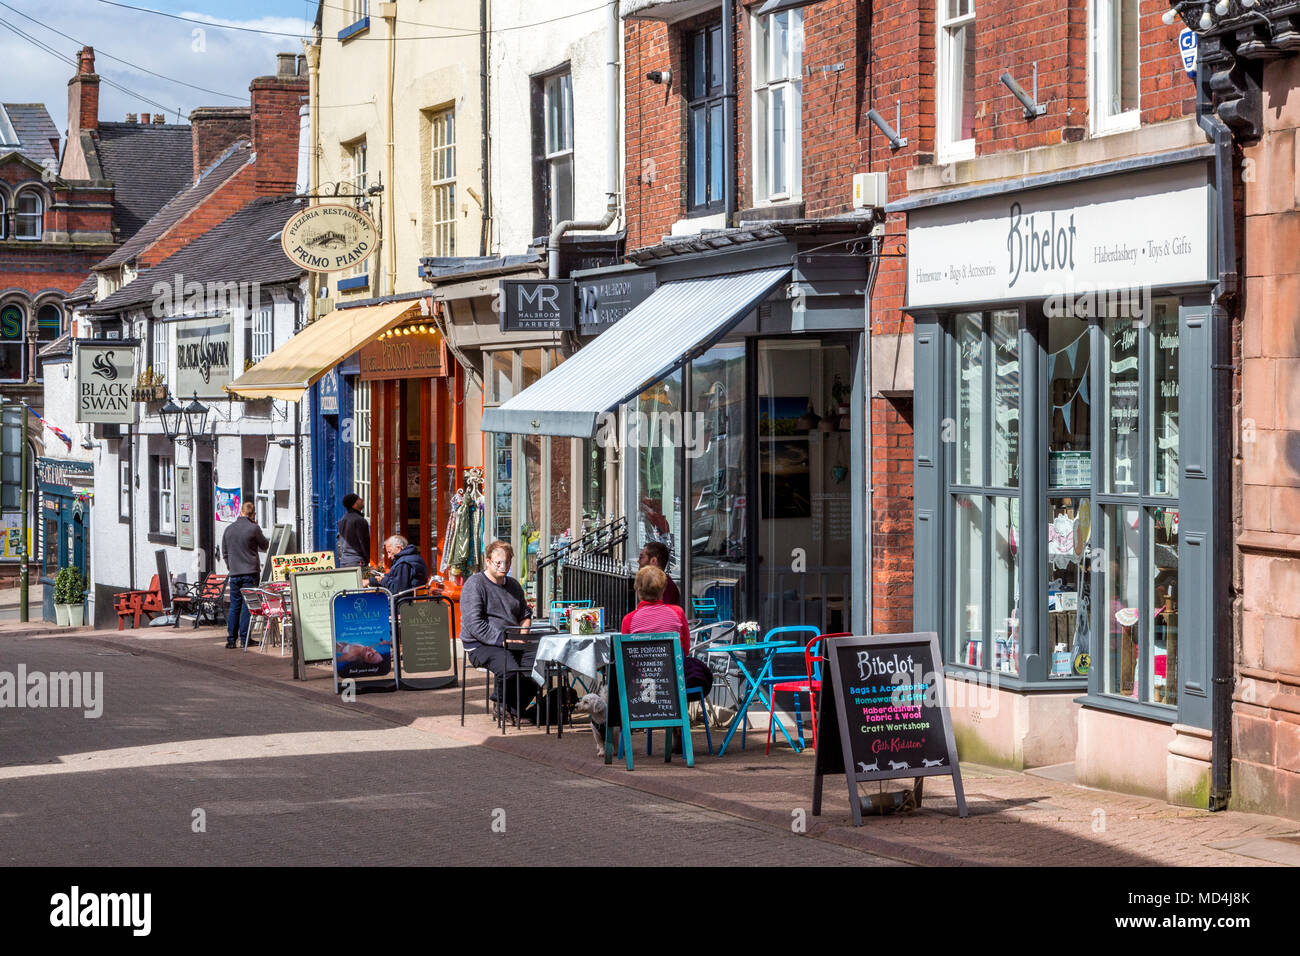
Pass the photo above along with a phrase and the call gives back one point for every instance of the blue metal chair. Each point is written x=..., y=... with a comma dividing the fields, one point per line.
x=705, y=610
x=798, y=632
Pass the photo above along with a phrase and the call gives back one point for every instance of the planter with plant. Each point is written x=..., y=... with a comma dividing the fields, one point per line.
x=149, y=387
x=69, y=597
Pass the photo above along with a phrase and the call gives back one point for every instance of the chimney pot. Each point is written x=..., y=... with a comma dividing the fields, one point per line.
x=302, y=64
x=87, y=60
x=144, y=115
x=285, y=64
x=159, y=119
x=130, y=117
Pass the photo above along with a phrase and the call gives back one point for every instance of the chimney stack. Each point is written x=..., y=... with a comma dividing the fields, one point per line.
x=83, y=95
x=275, y=126
x=213, y=129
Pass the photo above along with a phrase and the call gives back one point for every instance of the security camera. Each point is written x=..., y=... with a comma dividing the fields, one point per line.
x=660, y=76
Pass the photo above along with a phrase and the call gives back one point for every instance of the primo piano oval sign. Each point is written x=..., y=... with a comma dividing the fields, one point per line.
x=328, y=238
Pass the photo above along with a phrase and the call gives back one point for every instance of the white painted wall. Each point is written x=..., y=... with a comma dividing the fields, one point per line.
x=111, y=538
x=523, y=46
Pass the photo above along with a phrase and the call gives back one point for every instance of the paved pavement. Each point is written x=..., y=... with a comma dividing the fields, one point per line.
x=185, y=766
x=1015, y=818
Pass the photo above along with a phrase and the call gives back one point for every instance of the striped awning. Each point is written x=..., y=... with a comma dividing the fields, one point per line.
x=678, y=321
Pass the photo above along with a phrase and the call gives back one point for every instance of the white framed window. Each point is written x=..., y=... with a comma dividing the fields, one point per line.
x=262, y=334
x=29, y=215
x=955, y=83
x=357, y=173
x=159, y=348
x=4, y=215
x=442, y=181
x=357, y=10
x=164, y=497
x=778, y=106
x=558, y=110
x=361, y=443
x=1114, y=65
x=124, y=489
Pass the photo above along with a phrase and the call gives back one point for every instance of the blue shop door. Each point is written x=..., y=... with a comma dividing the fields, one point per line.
x=67, y=530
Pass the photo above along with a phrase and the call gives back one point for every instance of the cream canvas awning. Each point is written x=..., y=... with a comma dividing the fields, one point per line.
x=296, y=365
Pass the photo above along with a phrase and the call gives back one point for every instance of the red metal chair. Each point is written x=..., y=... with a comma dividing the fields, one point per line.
x=811, y=685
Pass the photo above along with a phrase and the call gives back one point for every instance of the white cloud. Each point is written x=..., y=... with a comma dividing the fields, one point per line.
x=224, y=61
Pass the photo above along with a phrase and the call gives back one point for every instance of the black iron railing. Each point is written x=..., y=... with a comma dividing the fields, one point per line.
x=606, y=540
x=605, y=581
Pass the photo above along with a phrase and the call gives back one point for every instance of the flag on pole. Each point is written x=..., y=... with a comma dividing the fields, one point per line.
x=58, y=432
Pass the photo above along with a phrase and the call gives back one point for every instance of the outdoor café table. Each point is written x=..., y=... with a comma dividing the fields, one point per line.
x=585, y=654
x=769, y=649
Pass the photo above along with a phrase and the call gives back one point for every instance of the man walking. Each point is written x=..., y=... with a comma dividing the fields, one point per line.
x=353, y=542
x=239, y=547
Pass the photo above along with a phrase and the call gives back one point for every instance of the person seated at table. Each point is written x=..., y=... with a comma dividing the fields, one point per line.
x=654, y=615
x=406, y=569
x=490, y=602
x=656, y=553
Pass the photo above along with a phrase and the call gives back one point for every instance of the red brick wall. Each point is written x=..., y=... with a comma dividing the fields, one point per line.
x=275, y=102
x=891, y=527
x=215, y=128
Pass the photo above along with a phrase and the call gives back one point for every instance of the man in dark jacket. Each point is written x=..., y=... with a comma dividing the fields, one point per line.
x=353, y=542
x=239, y=547
x=406, y=569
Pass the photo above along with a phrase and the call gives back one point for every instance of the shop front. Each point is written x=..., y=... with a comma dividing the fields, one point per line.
x=66, y=495
x=1065, y=520
x=718, y=397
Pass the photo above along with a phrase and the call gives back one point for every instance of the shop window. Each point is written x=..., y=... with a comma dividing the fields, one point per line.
x=29, y=215
x=985, y=503
x=13, y=323
x=706, y=134
x=1114, y=74
x=955, y=83
x=11, y=458
x=778, y=94
x=1138, y=619
x=717, y=468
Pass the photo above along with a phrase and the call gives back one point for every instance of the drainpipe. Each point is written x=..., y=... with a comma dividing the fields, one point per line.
x=389, y=13
x=729, y=110
x=1221, y=442
x=296, y=299
x=313, y=163
x=868, y=597
x=612, y=189
x=485, y=231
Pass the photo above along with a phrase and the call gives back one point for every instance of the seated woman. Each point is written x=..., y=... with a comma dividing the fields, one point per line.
x=654, y=615
x=491, y=601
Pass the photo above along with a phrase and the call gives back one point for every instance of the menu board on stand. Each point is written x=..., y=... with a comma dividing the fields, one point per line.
x=647, y=669
x=312, y=600
x=883, y=716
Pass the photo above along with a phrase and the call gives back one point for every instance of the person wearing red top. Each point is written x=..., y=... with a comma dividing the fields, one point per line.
x=653, y=615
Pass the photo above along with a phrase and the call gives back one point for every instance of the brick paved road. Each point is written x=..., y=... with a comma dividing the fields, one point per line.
x=283, y=780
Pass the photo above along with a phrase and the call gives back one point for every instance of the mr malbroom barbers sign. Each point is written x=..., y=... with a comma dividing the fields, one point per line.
x=328, y=238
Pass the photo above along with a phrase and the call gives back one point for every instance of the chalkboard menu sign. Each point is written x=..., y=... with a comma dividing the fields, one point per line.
x=647, y=670
x=883, y=715
x=425, y=628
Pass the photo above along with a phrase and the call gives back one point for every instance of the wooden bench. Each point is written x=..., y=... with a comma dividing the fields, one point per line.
x=133, y=604
x=205, y=599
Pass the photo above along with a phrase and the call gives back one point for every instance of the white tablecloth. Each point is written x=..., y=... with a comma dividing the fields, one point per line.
x=584, y=653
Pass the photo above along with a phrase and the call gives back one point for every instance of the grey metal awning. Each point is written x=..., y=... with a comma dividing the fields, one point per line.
x=679, y=321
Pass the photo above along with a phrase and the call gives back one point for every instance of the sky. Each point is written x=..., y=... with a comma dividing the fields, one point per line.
x=202, y=54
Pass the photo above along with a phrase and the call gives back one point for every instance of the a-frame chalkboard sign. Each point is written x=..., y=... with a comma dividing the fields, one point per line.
x=882, y=715
x=646, y=670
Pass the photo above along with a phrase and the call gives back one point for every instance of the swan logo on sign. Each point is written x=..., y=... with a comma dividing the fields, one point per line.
x=1187, y=47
